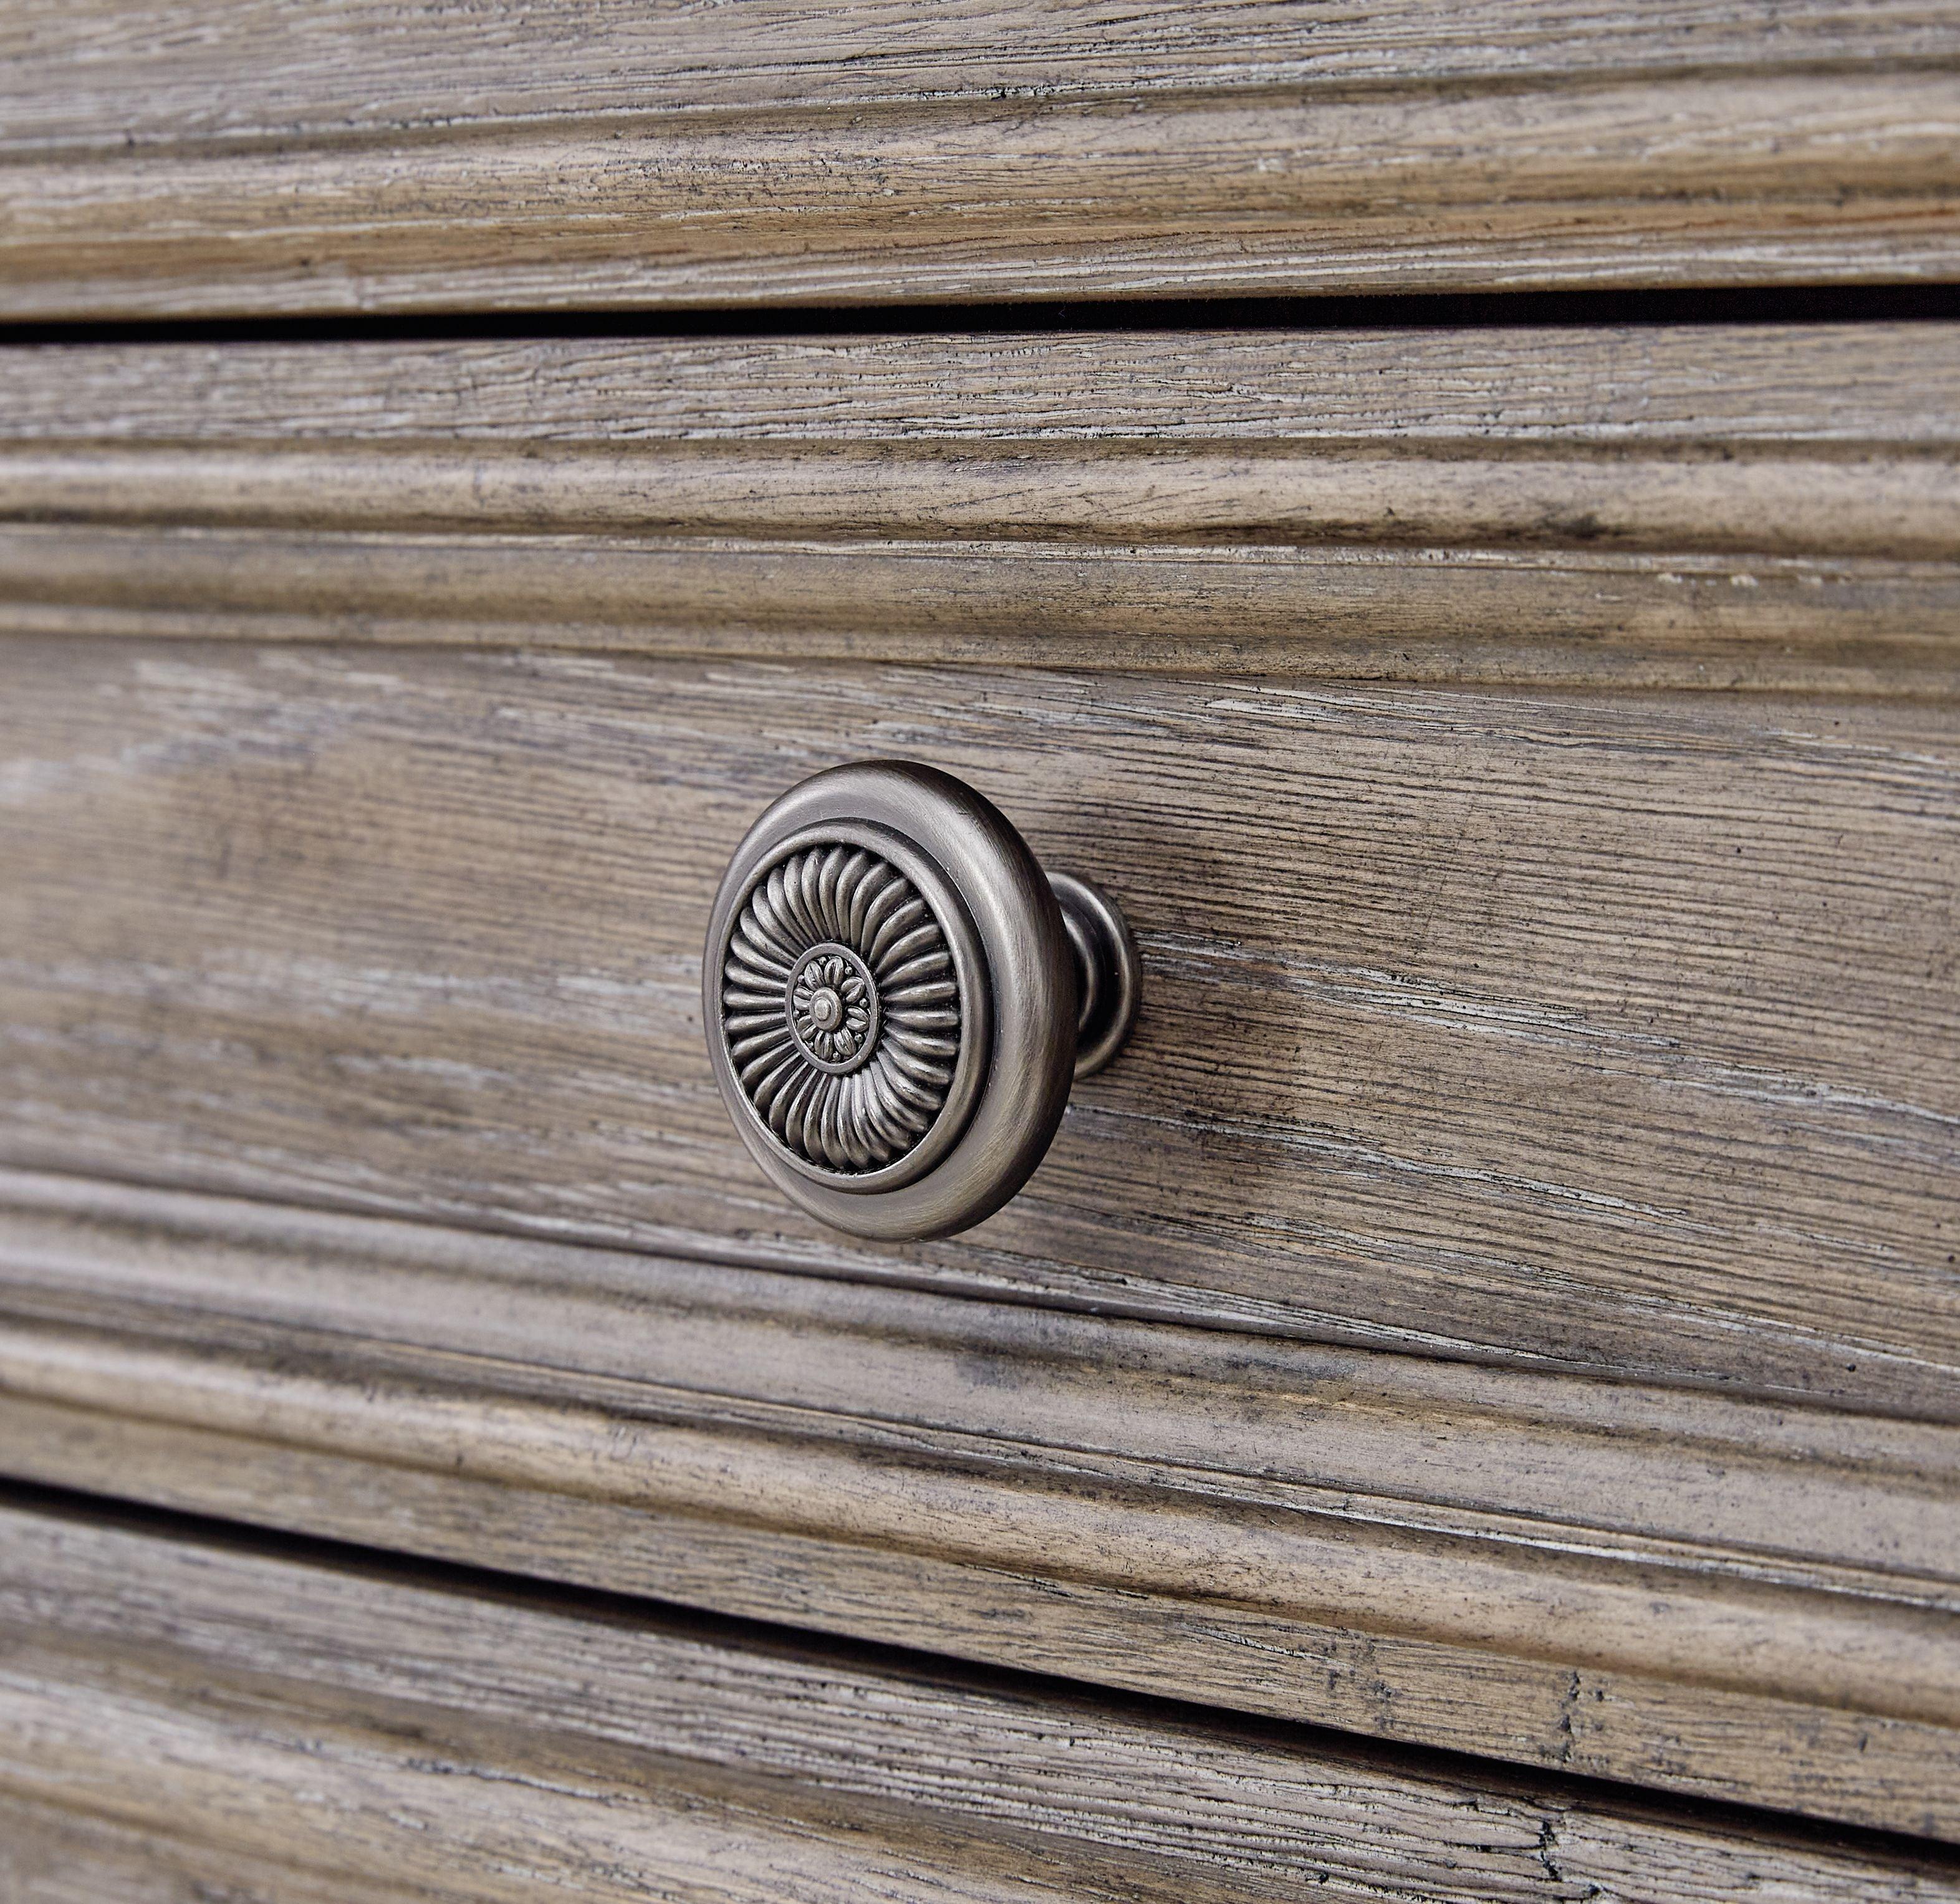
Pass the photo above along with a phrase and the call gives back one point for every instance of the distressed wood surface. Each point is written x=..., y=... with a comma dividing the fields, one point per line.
x=1737, y=1600
x=1614, y=1033
x=214, y=1711
x=1769, y=506
x=379, y=156
x=60, y=1854
x=105, y=71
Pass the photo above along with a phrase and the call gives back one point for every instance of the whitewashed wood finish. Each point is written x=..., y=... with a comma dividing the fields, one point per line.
x=1739, y=1600
x=1768, y=506
x=300, y=159
x=439, y=1737
x=1600, y=1044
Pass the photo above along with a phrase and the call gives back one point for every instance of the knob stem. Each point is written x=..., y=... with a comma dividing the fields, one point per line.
x=1106, y=970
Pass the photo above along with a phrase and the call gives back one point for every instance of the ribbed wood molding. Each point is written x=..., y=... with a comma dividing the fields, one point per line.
x=186, y=1716
x=377, y=157
x=1767, y=506
x=1725, y=1598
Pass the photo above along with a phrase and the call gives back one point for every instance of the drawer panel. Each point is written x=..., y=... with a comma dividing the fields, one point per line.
x=371, y=156
x=1461, y=996
x=183, y=1714
x=1616, y=1034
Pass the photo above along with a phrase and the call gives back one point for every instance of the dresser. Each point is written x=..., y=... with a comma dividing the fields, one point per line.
x=974, y=953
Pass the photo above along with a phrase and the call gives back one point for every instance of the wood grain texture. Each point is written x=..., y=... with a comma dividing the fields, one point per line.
x=374, y=156
x=63, y=1854
x=1734, y=1600
x=104, y=72
x=1611, y=1034
x=416, y=1740
x=1770, y=506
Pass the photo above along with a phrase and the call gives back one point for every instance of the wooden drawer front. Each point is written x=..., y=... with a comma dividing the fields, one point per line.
x=372, y=156
x=1535, y=1040
x=1493, y=1008
x=1616, y=1034
x=181, y=1717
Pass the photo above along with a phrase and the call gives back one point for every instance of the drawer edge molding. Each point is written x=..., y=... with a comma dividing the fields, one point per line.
x=182, y=1709
x=1655, y=168
x=1474, y=617
x=1733, y=1599
x=1770, y=506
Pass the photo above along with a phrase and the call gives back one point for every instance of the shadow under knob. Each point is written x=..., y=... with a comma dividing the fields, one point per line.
x=897, y=999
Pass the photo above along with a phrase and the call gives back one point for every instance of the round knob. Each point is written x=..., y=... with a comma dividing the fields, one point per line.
x=897, y=999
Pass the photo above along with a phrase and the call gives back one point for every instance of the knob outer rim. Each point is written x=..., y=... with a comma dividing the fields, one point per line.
x=1030, y=1012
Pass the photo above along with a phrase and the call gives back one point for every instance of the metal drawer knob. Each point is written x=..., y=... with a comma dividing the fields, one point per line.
x=897, y=999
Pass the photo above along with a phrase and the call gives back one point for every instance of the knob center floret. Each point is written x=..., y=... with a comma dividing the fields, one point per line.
x=832, y=1008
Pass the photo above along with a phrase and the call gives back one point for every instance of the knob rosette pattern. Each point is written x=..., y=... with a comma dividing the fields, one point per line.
x=841, y=1008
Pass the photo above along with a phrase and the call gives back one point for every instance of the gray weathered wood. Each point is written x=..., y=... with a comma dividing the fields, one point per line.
x=374, y=156
x=1769, y=506
x=54, y=1854
x=1617, y=1033
x=215, y=1708
x=1735, y=1600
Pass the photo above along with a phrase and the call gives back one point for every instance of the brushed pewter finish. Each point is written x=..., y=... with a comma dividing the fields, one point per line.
x=1107, y=970
x=911, y=1137
x=897, y=999
x=841, y=1008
